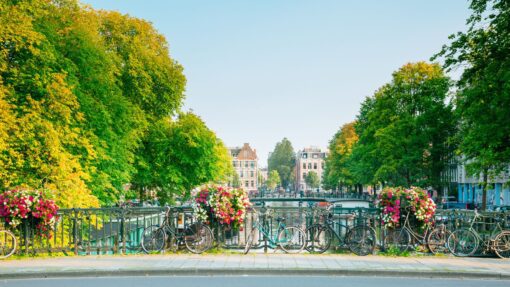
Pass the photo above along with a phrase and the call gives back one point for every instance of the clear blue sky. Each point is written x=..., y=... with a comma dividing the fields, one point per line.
x=259, y=71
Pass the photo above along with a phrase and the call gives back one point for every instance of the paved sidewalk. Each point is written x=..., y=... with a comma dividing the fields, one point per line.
x=257, y=264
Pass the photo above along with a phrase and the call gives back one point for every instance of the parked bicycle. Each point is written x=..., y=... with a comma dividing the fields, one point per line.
x=434, y=237
x=360, y=239
x=290, y=239
x=466, y=241
x=197, y=237
x=8, y=244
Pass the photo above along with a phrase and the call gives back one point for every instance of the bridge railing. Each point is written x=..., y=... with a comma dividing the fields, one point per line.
x=119, y=230
x=312, y=194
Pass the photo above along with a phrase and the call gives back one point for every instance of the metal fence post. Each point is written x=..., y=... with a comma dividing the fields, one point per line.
x=75, y=231
x=123, y=230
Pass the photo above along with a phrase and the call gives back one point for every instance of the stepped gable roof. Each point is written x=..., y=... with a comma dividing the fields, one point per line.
x=244, y=153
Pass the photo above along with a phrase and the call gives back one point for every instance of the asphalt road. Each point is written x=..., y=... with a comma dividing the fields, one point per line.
x=249, y=281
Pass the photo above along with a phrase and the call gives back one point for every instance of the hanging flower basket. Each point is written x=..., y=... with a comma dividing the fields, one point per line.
x=224, y=205
x=32, y=208
x=394, y=203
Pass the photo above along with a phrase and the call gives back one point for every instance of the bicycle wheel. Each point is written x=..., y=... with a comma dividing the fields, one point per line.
x=7, y=243
x=437, y=241
x=153, y=239
x=249, y=241
x=361, y=240
x=462, y=242
x=172, y=243
x=397, y=239
x=502, y=244
x=292, y=239
x=319, y=238
x=198, y=238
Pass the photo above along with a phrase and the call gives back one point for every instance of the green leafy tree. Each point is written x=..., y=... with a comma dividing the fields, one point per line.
x=364, y=161
x=49, y=144
x=483, y=95
x=236, y=181
x=283, y=159
x=260, y=180
x=180, y=155
x=85, y=95
x=312, y=180
x=273, y=180
x=337, y=173
x=405, y=130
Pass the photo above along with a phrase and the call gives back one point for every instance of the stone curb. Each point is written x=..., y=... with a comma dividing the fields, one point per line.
x=253, y=272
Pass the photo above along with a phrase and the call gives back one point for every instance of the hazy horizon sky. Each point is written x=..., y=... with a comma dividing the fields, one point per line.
x=259, y=71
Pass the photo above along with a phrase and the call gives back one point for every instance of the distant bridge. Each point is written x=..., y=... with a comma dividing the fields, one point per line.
x=331, y=197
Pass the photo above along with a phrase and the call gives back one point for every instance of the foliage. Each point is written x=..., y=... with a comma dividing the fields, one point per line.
x=312, y=180
x=394, y=202
x=179, y=155
x=236, y=180
x=337, y=172
x=32, y=206
x=483, y=95
x=81, y=93
x=273, y=180
x=405, y=130
x=224, y=204
x=283, y=159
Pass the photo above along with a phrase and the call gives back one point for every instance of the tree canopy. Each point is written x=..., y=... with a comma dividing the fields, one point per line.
x=483, y=95
x=337, y=171
x=273, y=180
x=405, y=130
x=283, y=159
x=312, y=180
x=82, y=94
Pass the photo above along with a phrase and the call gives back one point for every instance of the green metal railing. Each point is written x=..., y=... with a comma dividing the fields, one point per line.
x=119, y=230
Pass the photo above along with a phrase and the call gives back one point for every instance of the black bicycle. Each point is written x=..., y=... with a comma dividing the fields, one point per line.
x=197, y=237
x=360, y=239
x=402, y=238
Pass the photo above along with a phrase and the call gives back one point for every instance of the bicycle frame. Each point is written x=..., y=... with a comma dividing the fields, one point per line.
x=333, y=227
x=172, y=231
x=415, y=235
x=487, y=244
x=266, y=232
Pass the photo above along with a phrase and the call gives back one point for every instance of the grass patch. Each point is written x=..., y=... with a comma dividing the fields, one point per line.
x=395, y=252
x=39, y=255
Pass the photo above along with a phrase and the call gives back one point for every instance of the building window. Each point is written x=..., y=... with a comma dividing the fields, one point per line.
x=304, y=165
x=304, y=175
x=252, y=183
x=322, y=165
x=242, y=173
x=246, y=184
x=246, y=164
x=252, y=164
x=314, y=155
x=309, y=165
x=234, y=163
x=252, y=174
x=314, y=165
x=305, y=155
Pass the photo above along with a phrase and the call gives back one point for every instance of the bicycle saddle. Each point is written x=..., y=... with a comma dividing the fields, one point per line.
x=280, y=219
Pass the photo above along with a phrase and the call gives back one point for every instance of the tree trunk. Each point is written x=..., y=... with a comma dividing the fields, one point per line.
x=484, y=193
x=408, y=178
x=141, y=193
